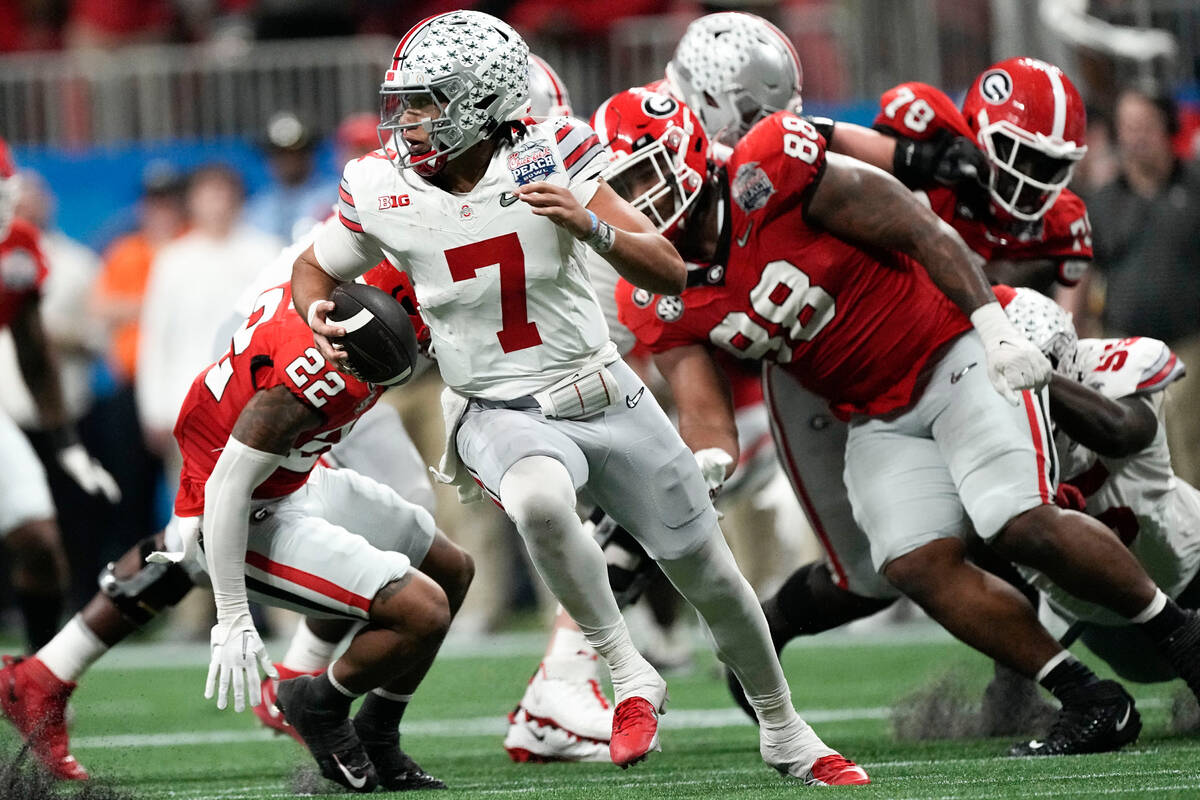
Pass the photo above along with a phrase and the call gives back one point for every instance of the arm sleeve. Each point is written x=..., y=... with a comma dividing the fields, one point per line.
x=227, y=521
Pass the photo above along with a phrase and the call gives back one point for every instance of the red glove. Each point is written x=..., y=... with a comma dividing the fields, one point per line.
x=1070, y=498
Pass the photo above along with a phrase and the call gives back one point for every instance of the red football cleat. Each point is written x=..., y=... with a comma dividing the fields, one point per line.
x=35, y=700
x=634, y=731
x=835, y=770
x=268, y=712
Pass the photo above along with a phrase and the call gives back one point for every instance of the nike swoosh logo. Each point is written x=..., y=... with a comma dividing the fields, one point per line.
x=741, y=242
x=355, y=783
x=1036, y=745
x=958, y=376
x=507, y=199
x=1125, y=720
x=635, y=399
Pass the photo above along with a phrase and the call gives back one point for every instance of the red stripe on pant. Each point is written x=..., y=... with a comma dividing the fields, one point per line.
x=314, y=583
x=1039, y=439
x=810, y=511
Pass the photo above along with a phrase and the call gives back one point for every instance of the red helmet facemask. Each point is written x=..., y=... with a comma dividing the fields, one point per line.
x=1029, y=119
x=660, y=154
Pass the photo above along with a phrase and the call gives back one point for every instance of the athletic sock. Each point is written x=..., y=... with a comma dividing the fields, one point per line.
x=329, y=696
x=72, y=650
x=380, y=716
x=41, y=613
x=308, y=652
x=631, y=673
x=1065, y=677
x=1161, y=618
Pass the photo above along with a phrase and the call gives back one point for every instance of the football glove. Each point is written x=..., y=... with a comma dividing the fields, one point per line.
x=87, y=472
x=1013, y=362
x=713, y=463
x=945, y=159
x=237, y=653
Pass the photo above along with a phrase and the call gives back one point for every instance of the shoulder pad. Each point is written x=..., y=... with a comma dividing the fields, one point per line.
x=1123, y=367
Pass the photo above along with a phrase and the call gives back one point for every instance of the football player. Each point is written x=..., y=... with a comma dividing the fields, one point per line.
x=1106, y=400
x=255, y=514
x=28, y=526
x=940, y=390
x=491, y=218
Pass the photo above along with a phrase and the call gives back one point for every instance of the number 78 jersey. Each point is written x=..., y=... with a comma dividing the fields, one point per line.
x=273, y=347
x=854, y=326
x=505, y=292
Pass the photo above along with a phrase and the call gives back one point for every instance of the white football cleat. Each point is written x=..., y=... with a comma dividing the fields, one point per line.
x=531, y=741
x=796, y=750
x=564, y=693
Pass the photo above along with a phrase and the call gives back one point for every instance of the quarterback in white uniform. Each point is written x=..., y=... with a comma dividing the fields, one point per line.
x=491, y=218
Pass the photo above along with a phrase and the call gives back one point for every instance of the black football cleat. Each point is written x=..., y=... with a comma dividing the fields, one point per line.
x=397, y=771
x=1182, y=650
x=330, y=738
x=1104, y=718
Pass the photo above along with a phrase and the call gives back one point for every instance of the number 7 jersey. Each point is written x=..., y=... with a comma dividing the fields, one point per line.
x=855, y=327
x=505, y=292
x=273, y=347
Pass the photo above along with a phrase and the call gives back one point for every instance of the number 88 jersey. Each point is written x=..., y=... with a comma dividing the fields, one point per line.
x=854, y=327
x=273, y=347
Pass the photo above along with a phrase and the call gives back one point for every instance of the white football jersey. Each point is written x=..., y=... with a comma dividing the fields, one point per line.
x=1155, y=514
x=505, y=292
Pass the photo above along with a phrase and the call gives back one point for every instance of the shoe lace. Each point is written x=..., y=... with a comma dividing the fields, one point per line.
x=629, y=713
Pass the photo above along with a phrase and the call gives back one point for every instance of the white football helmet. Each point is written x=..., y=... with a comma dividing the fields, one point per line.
x=458, y=76
x=548, y=95
x=1047, y=324
x=733, y=69
x=10, y=189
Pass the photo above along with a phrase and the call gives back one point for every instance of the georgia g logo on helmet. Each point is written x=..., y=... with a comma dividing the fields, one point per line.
x=996, y=86
x=659, y=106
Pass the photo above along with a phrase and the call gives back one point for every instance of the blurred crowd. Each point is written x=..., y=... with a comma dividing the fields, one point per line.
x=54, y=24
x=135, y=323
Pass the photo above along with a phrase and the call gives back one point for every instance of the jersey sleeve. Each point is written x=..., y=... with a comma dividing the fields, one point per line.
x=919, y=111
x=289, y=358
x=582, y=156
x=346, y=250
x=1126, y=367
x=778, y=164
x=642, y=313
x=1067, y=237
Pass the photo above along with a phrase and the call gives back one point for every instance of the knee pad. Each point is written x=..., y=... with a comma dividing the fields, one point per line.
x=630, y=568
x=536, y=490
x=152, y=589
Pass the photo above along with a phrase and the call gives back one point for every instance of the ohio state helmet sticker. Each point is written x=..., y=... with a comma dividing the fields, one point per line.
x=996, y=86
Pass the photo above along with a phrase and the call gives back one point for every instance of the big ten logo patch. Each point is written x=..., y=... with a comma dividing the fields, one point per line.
x=387, y=201
x=531, y=162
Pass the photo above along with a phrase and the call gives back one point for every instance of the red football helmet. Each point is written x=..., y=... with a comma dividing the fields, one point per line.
x=396, y=282
x=8, y=189
x=660, y=153
x=1030, y=121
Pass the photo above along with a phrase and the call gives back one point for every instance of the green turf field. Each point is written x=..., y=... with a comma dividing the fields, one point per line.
x=143, y=726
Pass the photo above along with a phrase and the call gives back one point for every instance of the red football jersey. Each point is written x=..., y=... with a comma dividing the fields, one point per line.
x=854, y=327
x=919, y=111
x=274, y=347
x=22, y=269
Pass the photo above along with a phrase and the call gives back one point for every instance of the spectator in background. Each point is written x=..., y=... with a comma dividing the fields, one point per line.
x=117, y=303
x=298, y=196
x=193, y=284
x=1146, y=231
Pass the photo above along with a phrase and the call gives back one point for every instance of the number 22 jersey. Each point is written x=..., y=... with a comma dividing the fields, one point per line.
x=855, y=327
x=273, y=347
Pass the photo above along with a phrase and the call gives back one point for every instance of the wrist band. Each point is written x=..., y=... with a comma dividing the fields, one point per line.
x=602, y=236
x=312, y=311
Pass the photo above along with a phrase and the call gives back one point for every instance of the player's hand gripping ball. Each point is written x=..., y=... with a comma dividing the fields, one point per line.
x=379, y=339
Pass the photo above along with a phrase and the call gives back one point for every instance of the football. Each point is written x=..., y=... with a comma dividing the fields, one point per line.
x=379, y=335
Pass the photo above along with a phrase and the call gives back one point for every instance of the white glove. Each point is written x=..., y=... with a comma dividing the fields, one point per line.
x=713, y=463
x=86, y=471
x=1013, y=362
x=237, y=653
